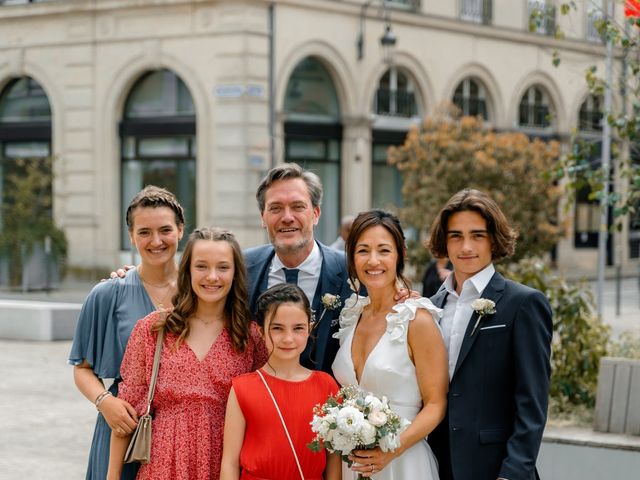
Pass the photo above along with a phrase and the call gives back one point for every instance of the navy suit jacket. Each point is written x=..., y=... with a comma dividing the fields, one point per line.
x=322, y=347
x=498, y=395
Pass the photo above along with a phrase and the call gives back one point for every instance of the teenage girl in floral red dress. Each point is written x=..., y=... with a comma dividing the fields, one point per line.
x=209, y=339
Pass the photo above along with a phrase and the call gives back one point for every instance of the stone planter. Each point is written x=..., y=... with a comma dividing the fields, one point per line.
x=618, y=396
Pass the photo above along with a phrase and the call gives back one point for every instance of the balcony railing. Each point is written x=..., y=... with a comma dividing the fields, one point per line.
x=397, y=103
x=477, y=11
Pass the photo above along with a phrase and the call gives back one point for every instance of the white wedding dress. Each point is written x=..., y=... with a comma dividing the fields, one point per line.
x=388, y=371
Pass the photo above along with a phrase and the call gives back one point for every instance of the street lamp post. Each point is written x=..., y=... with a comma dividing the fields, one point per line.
x=387, y=41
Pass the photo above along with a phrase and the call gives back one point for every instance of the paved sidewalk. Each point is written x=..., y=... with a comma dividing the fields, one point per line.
x=45, y=423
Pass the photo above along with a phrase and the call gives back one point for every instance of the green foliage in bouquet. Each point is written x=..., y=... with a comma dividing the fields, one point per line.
x=580, y=339
x=27, y=216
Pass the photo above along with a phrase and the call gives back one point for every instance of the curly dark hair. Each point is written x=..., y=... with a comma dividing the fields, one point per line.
x=237, y=316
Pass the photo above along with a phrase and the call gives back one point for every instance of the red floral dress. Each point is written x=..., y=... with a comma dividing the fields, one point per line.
x=190, y=398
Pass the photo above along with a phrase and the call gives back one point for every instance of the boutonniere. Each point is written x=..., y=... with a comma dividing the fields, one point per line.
x=482, y=306
x=329, y=302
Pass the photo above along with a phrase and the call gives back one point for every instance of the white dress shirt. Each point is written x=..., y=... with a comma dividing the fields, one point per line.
x=457, y=311
x=308, y=275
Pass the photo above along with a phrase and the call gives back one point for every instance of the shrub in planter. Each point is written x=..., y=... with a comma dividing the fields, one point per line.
x=579, y=337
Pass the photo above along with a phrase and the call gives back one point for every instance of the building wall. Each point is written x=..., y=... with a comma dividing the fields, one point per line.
x=87, y=55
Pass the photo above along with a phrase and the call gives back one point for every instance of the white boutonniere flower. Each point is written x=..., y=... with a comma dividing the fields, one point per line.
x=329, y=302
x=483, y=307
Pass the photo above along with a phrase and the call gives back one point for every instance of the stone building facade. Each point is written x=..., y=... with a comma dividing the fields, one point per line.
x=203, y=96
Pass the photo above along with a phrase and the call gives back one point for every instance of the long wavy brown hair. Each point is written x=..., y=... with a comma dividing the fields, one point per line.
x=236, y=310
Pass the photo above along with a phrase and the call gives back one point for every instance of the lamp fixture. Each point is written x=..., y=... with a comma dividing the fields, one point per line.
x=388, y=39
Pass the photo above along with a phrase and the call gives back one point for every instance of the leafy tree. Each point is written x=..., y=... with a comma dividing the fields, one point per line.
x=448, y=153
x=577, y=166
x=26, y=215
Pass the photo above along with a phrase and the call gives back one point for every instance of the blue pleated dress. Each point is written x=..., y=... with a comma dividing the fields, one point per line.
x=106, y=320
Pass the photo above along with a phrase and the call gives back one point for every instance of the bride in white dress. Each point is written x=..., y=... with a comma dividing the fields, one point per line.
x=390, y=349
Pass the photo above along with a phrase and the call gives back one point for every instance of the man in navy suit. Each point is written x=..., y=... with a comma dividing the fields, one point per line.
x=498, y=337
x=289, y=199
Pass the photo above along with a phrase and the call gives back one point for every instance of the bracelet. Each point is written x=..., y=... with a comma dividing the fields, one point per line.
x=100, y=398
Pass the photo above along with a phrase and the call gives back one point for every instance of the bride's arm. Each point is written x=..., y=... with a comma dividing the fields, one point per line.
x=429, y=355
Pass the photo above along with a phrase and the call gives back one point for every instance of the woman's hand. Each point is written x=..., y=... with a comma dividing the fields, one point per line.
x=120, y=415
x=370, y=462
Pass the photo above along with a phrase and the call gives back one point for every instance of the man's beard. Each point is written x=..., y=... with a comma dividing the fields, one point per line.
x=291, y=248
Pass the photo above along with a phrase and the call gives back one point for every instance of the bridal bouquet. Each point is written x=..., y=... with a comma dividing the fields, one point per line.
x=355, y=420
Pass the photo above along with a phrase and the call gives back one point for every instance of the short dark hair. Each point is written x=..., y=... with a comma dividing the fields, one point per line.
x=503, y=237
x=154, y=197
x=389, y=222
x=269, y=301
x=288, y=171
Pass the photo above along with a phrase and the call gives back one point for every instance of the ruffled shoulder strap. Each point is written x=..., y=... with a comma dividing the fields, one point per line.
x=349, y=315
x=403, y=313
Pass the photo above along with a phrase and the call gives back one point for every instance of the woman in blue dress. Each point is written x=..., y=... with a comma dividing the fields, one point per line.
x=156, y=222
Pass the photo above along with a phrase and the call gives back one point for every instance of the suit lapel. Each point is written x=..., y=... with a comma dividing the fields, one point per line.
x=493, y=291
x=330, y=281
x=259, y=272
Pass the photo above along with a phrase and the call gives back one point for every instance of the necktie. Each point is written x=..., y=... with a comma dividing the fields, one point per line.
x=291, y=275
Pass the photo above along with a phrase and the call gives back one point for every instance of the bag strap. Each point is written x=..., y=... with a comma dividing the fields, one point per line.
x=156, y=367
x=295, y=455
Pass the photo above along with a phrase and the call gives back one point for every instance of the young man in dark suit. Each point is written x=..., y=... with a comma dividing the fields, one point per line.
x=498, y=337
x=289, y=199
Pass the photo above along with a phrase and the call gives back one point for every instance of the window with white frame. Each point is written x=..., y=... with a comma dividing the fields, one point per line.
x=470, y=97
x=395, y=95
x=541, y=17
x=535, y=108
x=477, y=11
x=595, y=16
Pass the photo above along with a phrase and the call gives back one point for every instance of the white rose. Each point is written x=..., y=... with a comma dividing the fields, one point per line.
x=367, y=433
x=374, y=403
x=377, y=418
x=350, y=420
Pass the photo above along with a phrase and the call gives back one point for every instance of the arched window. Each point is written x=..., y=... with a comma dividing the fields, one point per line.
x=313, y=135
x=535, y=109
x=25, y=128
x=158, y=142
x=395, y=107
x=471, y=97
x=395, y=95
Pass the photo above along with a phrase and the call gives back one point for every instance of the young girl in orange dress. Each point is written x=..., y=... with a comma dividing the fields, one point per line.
x=209, y=339
x=269, y=411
